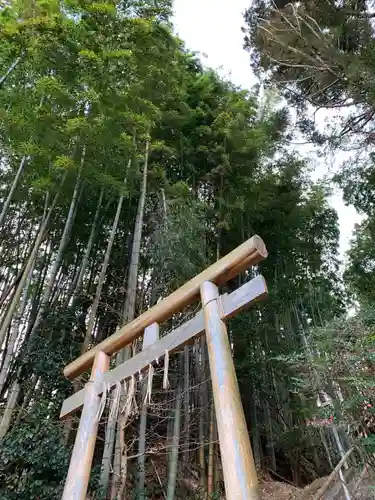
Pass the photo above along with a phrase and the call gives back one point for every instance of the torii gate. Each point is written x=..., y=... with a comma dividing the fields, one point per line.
x=240, y=476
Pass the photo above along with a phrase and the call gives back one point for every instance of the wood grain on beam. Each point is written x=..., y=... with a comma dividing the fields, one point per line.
x=247, y=294
x=250, y=253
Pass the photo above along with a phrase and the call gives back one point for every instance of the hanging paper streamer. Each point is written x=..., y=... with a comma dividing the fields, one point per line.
x=129, y=397
x=113, y=412
x=166, y=367
x=147, y=399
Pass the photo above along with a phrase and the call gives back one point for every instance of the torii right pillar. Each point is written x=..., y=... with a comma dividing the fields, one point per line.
x=239, y=470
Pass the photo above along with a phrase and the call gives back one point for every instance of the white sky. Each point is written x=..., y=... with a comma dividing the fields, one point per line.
x=213, y=28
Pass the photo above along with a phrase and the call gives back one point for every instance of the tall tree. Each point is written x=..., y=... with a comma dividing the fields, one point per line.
x=319, y=54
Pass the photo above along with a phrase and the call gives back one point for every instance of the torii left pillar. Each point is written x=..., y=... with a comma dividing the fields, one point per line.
x=84, y=446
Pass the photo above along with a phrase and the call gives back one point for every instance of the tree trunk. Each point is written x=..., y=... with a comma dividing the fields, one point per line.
x=29, y=264
x=255, y=430
x=11, y=68
x=23, y=160
x=11, y=191
x=60, y=252
x=211, y=450
x=128, y=312
x=164, y=200
x=116, y=476
x=112, y=436
x=88, y=249
x=173, y=463
x=8, y=287
x=186, y=405
x=142, y=446
x=200, y=361
x=15, y=331
x=142, y=430
x=26, y=400
x=169, y=419
x=8, y=412
x=131, y=293
x=270, y=438
x=102, y=275
x=218, y=474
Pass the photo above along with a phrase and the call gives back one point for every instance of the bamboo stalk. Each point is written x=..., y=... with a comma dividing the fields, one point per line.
x=48, y=288
x=211, y=447
x=11, y=68
x=12, y=189
x=102, y=275
x=186, y=406
x=88, y=249
x=249, y=253
x=8, y=412
x=151, y=335
x=14, y=335
x=128, y=312
x=173, y=459
x=28, y=266
x=332, y=476
x=200, y=363
x=132, y=284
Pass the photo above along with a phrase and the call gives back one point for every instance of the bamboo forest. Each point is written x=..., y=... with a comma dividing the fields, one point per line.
x=127, y=167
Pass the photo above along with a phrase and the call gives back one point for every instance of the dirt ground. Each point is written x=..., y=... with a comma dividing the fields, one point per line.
x=282, y=491
x=365, y=490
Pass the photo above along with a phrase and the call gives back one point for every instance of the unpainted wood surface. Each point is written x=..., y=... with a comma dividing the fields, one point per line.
x=83, y=451
x=240, y=476
x=250, y=253
x=247, y=294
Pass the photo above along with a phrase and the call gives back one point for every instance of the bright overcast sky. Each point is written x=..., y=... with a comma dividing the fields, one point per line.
x=213, y=28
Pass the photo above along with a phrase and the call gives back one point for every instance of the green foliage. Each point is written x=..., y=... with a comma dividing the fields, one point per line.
x=63, y=163
x=361, y=265
x=34, y=462
x=33, y=457
x=183, y=233
x=318, y=53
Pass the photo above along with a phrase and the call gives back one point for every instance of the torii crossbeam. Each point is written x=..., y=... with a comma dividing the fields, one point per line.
x=237, y=459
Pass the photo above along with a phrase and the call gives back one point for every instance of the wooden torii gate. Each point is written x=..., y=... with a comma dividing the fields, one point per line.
x=240, y=477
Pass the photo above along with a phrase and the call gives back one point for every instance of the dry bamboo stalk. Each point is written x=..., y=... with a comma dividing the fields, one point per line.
x=251, y=252
x=332, y=476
